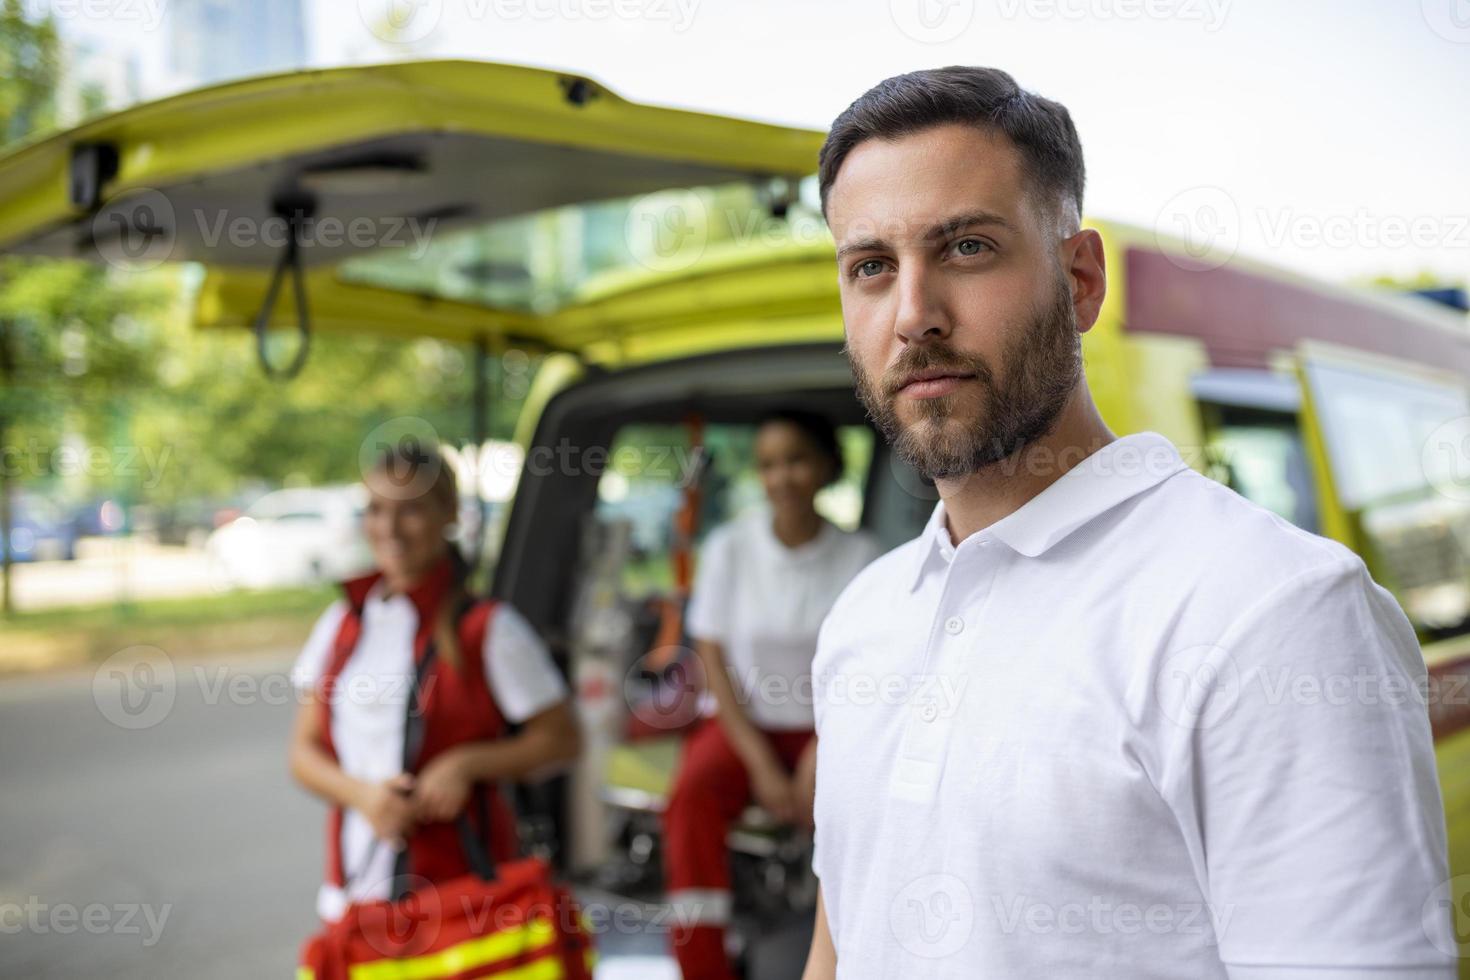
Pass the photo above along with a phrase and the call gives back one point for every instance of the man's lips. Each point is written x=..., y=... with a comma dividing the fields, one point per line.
x=931, y=384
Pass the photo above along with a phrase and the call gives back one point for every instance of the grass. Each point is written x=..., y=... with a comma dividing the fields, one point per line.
x=189, y=611
x=229, y=622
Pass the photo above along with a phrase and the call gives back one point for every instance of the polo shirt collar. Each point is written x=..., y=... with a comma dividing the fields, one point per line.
x=1117, y=472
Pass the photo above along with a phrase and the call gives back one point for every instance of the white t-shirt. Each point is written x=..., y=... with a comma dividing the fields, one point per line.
x=370, y=699
x=1138, y=728
x=764, y=602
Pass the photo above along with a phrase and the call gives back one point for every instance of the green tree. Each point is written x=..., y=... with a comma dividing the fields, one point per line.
x=103, y=358
x=73, y=336
x=221, y=422
x=29, y=68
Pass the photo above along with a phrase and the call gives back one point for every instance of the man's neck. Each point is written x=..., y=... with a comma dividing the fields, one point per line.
x=976, y=501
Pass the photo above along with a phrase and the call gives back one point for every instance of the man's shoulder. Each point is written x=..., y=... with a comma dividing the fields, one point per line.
x=1207, y=537
x=1223, y=514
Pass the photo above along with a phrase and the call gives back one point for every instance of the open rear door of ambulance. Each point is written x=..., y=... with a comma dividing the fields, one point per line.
x=446, y=199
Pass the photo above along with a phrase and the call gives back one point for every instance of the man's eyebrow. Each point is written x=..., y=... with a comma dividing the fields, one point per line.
x=943, y=229
x=865, y=245
x=970, y=219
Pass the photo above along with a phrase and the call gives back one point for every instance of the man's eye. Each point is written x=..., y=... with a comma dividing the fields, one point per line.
x=868, y=269
x=970, y=246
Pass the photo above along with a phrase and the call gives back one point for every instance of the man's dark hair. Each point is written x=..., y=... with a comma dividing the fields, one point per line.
x=989, y=98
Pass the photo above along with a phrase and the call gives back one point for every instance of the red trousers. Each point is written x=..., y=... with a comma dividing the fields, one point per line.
x=711, y=790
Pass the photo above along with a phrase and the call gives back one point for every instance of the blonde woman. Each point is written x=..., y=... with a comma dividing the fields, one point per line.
x=394, y=811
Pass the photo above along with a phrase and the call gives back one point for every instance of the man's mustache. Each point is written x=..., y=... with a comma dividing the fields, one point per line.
x=933, y=359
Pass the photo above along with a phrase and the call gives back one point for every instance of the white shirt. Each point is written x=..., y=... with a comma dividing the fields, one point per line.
x=764, y=602
x=371, y=697
x=1139, y=728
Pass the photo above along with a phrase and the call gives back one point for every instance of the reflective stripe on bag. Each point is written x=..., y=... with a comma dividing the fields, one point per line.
x=474, y=953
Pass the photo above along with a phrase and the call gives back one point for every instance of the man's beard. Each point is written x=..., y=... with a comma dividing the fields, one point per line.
x=1042, y=367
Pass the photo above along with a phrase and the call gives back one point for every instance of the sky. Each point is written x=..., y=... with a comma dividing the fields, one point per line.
x=1327, y=137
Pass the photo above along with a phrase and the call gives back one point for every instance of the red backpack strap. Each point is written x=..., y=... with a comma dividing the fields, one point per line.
x=348, y=633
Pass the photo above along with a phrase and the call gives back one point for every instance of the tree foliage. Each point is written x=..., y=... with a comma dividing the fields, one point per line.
x=105, y=360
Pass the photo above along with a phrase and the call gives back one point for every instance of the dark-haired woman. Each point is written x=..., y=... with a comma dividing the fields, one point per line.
x=489, y=670
x=765, y=582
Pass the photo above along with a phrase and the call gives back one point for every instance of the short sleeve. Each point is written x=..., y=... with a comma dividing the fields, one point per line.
x=708, y=616
x=311, y=662
x=523, y=678
x=1304, y=778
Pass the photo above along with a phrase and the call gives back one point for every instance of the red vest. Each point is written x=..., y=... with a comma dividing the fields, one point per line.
x=457, y=708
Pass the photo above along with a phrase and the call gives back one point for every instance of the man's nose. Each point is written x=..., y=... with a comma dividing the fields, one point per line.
x=921, y=314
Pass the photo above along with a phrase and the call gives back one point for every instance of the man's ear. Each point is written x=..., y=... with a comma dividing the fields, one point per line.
x=1087, y=275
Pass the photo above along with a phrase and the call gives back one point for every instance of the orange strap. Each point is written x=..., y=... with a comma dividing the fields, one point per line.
x=681, y=553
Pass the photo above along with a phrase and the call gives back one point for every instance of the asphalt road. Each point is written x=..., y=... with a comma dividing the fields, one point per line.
x=167, y=842
x=149, y=830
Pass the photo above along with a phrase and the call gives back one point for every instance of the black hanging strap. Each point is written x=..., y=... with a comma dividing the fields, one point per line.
x=478, y=859
x=296, y=212
x=476, y=856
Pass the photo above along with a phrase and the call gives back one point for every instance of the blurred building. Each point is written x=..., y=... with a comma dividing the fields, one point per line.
x=94, y=78
x=219, y=40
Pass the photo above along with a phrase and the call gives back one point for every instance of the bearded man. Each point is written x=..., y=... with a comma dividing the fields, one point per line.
x=1098, y=766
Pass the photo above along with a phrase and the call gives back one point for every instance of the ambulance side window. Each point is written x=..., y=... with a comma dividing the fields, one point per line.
x=1260, y=455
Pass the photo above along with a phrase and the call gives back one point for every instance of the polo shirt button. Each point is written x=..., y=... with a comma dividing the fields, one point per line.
x=953, y=625
x=928, y=711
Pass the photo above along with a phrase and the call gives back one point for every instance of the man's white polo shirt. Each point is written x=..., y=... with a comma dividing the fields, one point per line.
x=1139, y=728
